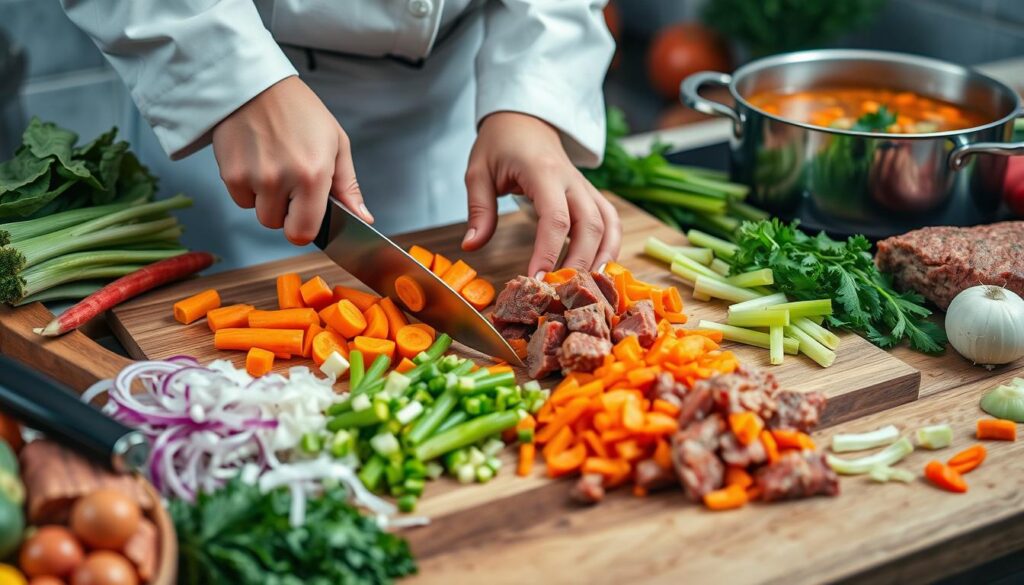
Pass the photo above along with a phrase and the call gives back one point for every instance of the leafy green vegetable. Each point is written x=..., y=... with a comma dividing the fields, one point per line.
x=876, y=121
x=48, y=174
x=238, y=535
x=811, y=267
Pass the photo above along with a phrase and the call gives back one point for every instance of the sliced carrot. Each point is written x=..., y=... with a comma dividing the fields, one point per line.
x=307, y=340
x=563, y=418
x=282, y=340
x=258, y=362
x=422, y=255
x=325, y=343
x=196, y=306
x=396, y=319
x=968, y=459
x=569, y=392
x=288, y=295
x=945, y=477
x=459, y=275
x=281, y=356
x=593, y=442
x=789, y=439
x=479, y=292
x=410, y=293
x=997, y=429
x=559, y=276
x=440, y=265
x=411, y=341
x=567, y=461
x=628, y=350
x=362, y=300
x=427, y=328
x=665, y=407
x=727, y=498
x=619, y=282
x=613, y=268
x=284, y=319
x=527, y=453
x=673, y=300
x=738, y=476
x=405, y=365
x=663, y=455
x=657, y=423
x=771, y=448
x=372, y=348
x=747, y=426
x=345, y=318
x=560, y=442
x=229, y=316
x=632, y=416
x=376, y=322
x=676, y=318
x=315, y=293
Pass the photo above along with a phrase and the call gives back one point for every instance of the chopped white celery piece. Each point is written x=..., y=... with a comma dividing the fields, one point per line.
x=775, y=343
x=720, y=267
x=767, y=317
x=817, y=332
x=335, y=365
x=888, y=456
x=934, y=436
x=811, y=348
x=722, y=290
x=761, y=277
x=396, y=384
x=844, y=443
x=409, y=412
x=885, y=474
x=361, y=402
x=385, y=444
x=813, y=308
x=749, y=336
x=760, y=303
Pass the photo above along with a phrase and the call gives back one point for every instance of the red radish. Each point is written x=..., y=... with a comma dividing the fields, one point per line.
x=1013, y=191
x=127, y=287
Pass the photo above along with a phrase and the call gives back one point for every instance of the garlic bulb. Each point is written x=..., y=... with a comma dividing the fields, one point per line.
x=986, y=325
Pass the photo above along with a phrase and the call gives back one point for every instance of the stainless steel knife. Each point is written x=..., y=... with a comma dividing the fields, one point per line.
x=377, y=261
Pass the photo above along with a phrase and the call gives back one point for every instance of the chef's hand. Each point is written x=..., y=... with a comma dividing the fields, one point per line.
x=517, y=153
x=282, y=153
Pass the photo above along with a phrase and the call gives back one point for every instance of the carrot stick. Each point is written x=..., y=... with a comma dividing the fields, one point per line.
x=315, y=293
x=479, y=292
x=362, y=300
x=410, y=293
x=126, y=287
x=440, y=265
x=282, y=340
x=997, y=429
x=371, y=347
x=559, y=276
x=747, y=426
x=968, y=459
x=196, y=306
x=665, y=407
x=427, y=328
x=563, y=418
x=229, y=316
x=345, y=318
x=771, y=448
x=288, y=295
x=673, y=300
x=281, y=356
x=307, y=340
x=396, y=320
x=258, y=362
x=422, y=255
x=411, y=341
x=663, y=455
x=527, y=453
x=459, y=275
x=405, y=365
x=727, y=498
x=376, y=322
x=945, y=477
x=567, y=461
x=788, y=439
x=283, y=319
x=560, y=442
x=325, y=343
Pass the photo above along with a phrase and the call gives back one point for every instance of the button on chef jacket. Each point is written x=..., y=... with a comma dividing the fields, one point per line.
x=409, y=80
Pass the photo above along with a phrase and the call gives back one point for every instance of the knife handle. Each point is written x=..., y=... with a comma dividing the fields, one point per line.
x=324, y=235
x=47, y=406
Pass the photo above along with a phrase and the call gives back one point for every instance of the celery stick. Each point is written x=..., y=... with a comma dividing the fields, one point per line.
x=885, y=474
x=684, y=272
x=700, y=255
x=934, y=436
x=42, y=248
x=719, y=266
x=721, y=290
x=23, y=230
x=747, y=211
x=723, y=223
x=465, y=434
x=760, y=303
x=427, y=424
x=749, y=336
x=356, y=368
x=808, y=308
x=770, y=317
x=888, y=456
x=817, y=332
x=843, y=443
x=700, y=296
x=775, y=342
x=83, y=265
x=696, y=267
x=73, y=290
x=669, y=197
x=811, y=348
x=722, y=248
x=762, y=277
x=659, y=250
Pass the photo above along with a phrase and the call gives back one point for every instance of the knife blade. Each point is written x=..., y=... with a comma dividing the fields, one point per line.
x=376, y=261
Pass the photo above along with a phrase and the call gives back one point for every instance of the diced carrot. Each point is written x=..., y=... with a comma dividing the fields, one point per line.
x=396, y=320
x=422, y=255
x=997, y=429
x=945, y=477
x=405, y=365
x=619, y=281
x=562, y=418
x=258, y=362
x=527, y=453
x=410, y=293
x=282, y=340
x=602, y=421
x=560, y=442
x=567, y=461
x=376, y=322
x=628, y=350
x=593, y=442
x=427, y=328
x=638, y=291
x=657, y=423
x=666, y=407
x=546, y=412
x=230, y=316
x=771, y=448
x=288, y=295
x=673, y=300
x=362, y=300
x=372, y=347
x=663, y=454
x=440, y=265
x=790, y=439
x=747, y=427
x=307, y=339
x=459, y=275
x=315, y=293
x=738, y=476
x=345, y=318
x=727, y=498
x=658, y=300
x=196, y=306
x=632, y=416
x=559, y=276
x=325, y=343
x=519, y=346
x=283, y=319
x=411, y=341
x=479, y=292
x=640, y=378
x=676, y=318
x=639, y=491
x=499, y=369
x=968, y=459
x=629, y=450
x=571, y=392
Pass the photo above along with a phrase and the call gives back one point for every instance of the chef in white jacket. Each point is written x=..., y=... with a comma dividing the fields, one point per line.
x=419, y=105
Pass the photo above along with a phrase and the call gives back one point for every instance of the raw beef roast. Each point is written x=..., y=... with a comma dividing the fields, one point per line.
x=939, y=262
x=523, y=300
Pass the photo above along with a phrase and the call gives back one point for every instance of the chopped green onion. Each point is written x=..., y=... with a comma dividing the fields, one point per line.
x=487, y=383
x=720, y=247
x=427, y=424
x=372, y=471
x=385, y=444
x=888, y=456
x=351, y=420
x=934, y=436
x=762, y=277
x=396, y=384
x=356, y=368
x=759, y=303
x=759, y=318
x=342, y=444
x=311, y=443
x=373, y=374
x=414, y=485
x=407, y=503
x=361, y=402
x=843, y=443
x=749, y=336
x=466, y=433
x=409, y=413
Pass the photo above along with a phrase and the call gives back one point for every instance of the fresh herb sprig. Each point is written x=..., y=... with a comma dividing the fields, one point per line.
x=811, y=267
x=241, y=536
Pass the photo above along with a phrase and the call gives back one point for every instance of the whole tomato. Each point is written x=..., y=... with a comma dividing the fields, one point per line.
x=681, y=50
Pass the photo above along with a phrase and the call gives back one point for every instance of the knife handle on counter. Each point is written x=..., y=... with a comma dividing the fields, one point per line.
x=47, y=406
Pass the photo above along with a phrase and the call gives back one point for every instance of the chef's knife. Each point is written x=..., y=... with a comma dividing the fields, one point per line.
x=377, y=261
x=47, y=406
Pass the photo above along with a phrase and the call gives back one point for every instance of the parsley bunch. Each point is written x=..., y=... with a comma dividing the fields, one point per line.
x=811, y=267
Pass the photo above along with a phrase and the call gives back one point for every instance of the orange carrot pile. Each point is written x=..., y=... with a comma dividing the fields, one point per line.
x=458, y=275
x=668, y=303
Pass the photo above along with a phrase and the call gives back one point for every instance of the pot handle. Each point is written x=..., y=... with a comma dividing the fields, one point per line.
x=689, y=95
x=959, y=155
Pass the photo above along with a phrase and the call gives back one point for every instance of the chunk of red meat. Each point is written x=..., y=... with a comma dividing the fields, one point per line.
x=797, y=410
x=797, y=475
x=542, y=351
x=523, y=300
x=638, y=320
x=651, y=476
x=583, y=353
x=735, y=453
x=588, y=319
x=744, y=390
x=607, y=288
x=514, y=330
x=580, y=291
x=549, y=316
x=707, y=432
x=589, y=489
x=698, y=468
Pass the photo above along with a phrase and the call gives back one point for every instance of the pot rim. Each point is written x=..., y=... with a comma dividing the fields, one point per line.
x=878, y=56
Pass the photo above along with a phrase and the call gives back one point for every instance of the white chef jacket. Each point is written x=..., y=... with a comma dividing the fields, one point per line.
x=409, y=80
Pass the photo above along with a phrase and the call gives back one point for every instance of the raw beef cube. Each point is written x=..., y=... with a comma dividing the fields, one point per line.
x=797, y=410
x=797, y=475
x=736, y=453
x=588, y=319
x=638, y=320
x=589, y=489
x=707, y=432
x=694, y=404
x=580, y=291
x=514, y=330
x=583, y=353
x=698, y=468
x=523, y=300
x=746, y=389
x=555, y=317
x=542, y=351
x=651, y=476
x=607, y=288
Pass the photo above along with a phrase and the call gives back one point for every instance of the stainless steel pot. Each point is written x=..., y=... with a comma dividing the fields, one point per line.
x=864, y=182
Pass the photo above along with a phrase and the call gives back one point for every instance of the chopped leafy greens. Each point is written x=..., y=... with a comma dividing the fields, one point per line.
x=876, y=121
x=809, y=267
